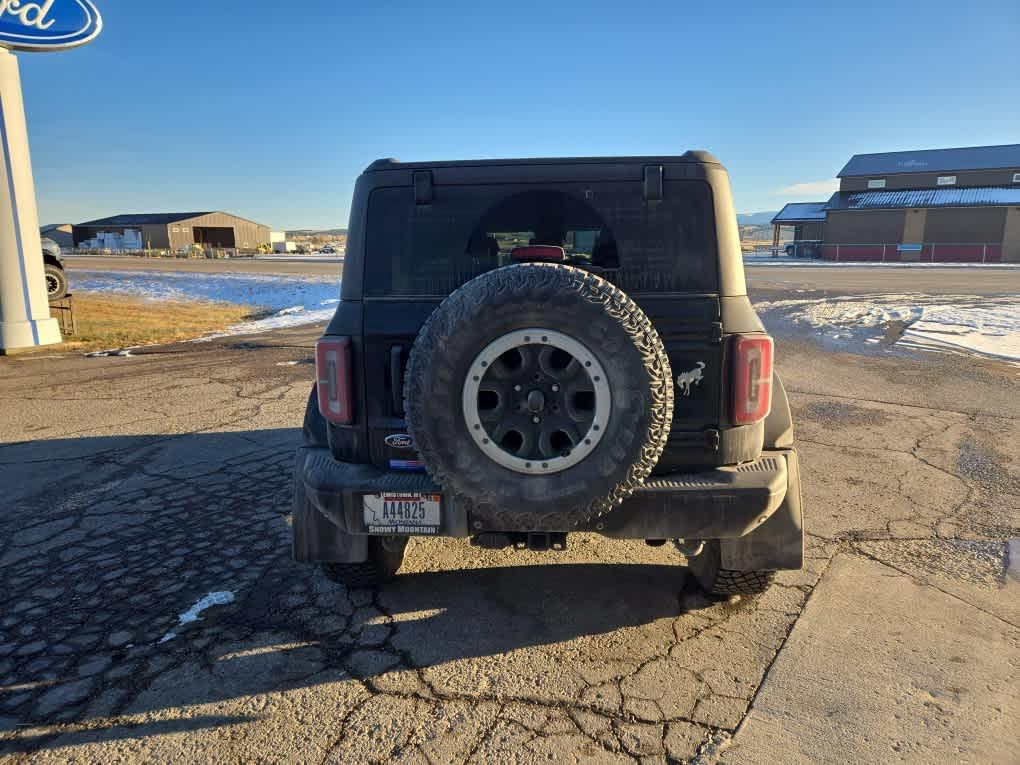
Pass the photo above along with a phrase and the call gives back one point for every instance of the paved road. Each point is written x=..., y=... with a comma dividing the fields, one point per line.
x=136, y=486
x=931, y=280
x=209, y=266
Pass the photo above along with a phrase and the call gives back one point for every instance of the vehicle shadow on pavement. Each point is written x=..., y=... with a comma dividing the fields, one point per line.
x=104, y=541
x=452, y=615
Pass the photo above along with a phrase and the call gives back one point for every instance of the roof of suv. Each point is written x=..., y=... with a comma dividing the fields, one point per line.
x=691, y=157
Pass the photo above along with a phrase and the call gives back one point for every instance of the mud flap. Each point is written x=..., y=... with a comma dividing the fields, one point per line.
x=317, y=539
x=779, y=542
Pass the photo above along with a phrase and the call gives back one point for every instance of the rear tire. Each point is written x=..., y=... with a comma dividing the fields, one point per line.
x=385, y=556
x=314, y=430
x=56, y=282
x=707, y=570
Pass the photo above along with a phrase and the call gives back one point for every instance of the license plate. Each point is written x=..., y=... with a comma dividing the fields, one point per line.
x=401, y=513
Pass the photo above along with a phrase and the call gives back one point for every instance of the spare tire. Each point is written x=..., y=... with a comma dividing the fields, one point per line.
x=539, y=395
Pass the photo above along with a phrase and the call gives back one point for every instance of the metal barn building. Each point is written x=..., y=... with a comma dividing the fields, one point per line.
x=931, y=205
x=178, y=231
x=59, y=233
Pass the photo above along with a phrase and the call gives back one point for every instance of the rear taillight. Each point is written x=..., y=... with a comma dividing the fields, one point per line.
x=752, y=378
x=537, y=252
x=333, y=374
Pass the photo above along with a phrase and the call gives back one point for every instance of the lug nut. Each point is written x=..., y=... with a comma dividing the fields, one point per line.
x=536, y=420
x=518, y=388
x=556, y=389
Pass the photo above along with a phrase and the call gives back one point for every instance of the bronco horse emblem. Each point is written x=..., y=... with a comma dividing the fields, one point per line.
x=687, y=380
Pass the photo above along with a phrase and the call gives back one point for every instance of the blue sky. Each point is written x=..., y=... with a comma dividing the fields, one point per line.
x=271, y=109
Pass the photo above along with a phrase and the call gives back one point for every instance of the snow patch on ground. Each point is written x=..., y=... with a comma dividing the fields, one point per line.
x=123, y=352
x=986, y=326
x=288, y=301
x=286, y=317
x=220, y=598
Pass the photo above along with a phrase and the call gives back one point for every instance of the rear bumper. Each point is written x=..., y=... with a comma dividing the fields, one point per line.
x=727, y=502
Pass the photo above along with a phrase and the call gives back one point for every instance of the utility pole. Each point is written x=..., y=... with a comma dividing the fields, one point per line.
x=24, y=306
x=24, y=303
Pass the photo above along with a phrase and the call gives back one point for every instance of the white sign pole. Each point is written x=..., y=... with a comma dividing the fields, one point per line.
x=24, y=305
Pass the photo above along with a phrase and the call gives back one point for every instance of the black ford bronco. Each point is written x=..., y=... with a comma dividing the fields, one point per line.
x=532, y=347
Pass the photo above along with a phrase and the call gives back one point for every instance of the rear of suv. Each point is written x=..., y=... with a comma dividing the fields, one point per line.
x=534, y=347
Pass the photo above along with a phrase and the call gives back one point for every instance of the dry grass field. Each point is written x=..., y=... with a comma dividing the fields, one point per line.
x=106, y=322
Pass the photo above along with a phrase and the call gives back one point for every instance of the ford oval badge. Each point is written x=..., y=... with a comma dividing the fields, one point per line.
x=47, y=24
x=397, y=440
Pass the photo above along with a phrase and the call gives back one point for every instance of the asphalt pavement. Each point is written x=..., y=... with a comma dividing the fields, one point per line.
x=271, y=265
x=842, y=279
x=929, y=280
x=135, y=487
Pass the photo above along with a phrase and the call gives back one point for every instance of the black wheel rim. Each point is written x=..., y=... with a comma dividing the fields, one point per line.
x=536, y=401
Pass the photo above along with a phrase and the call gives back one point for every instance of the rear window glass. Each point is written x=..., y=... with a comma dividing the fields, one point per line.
x=609, y=228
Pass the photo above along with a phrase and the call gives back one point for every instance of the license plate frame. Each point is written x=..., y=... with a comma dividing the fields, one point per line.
x=402, y=512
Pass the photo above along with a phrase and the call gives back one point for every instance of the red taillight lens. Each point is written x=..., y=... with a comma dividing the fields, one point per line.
x=333, y=374
x=538, y=252
x=752, y=378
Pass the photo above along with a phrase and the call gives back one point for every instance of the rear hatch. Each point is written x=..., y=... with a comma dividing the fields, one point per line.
x=662, y=252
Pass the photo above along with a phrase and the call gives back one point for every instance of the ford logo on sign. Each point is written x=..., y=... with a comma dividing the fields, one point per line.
x=47, y=24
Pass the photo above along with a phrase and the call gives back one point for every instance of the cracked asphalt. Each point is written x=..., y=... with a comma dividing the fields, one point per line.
x=135, y=486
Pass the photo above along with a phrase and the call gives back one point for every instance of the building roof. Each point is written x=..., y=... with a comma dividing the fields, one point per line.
x=965, y=197
x=139, y=219
x=800, y=212
x=933, y=160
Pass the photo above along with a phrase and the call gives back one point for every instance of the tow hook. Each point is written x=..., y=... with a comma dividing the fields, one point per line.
x=689, y=548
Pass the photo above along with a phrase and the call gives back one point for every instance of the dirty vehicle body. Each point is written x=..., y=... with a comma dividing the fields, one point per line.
x=530, y=348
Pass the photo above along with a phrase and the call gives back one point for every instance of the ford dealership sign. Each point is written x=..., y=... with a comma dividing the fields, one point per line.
x=47, y=24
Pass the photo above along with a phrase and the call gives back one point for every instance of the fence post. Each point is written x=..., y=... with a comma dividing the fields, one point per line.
x=883, y=252
x=837, y=252
x=933, y=246
x=984, y=252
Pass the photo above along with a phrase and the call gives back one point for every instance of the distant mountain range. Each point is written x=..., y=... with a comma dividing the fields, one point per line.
x=755, y=219
x=317, y=232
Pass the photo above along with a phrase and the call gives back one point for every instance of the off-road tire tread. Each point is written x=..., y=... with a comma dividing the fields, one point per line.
x=723, y=582
x=730, y=582
x=353, y=575
x=314, y=431
x=380, y=567
x=502, y=287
